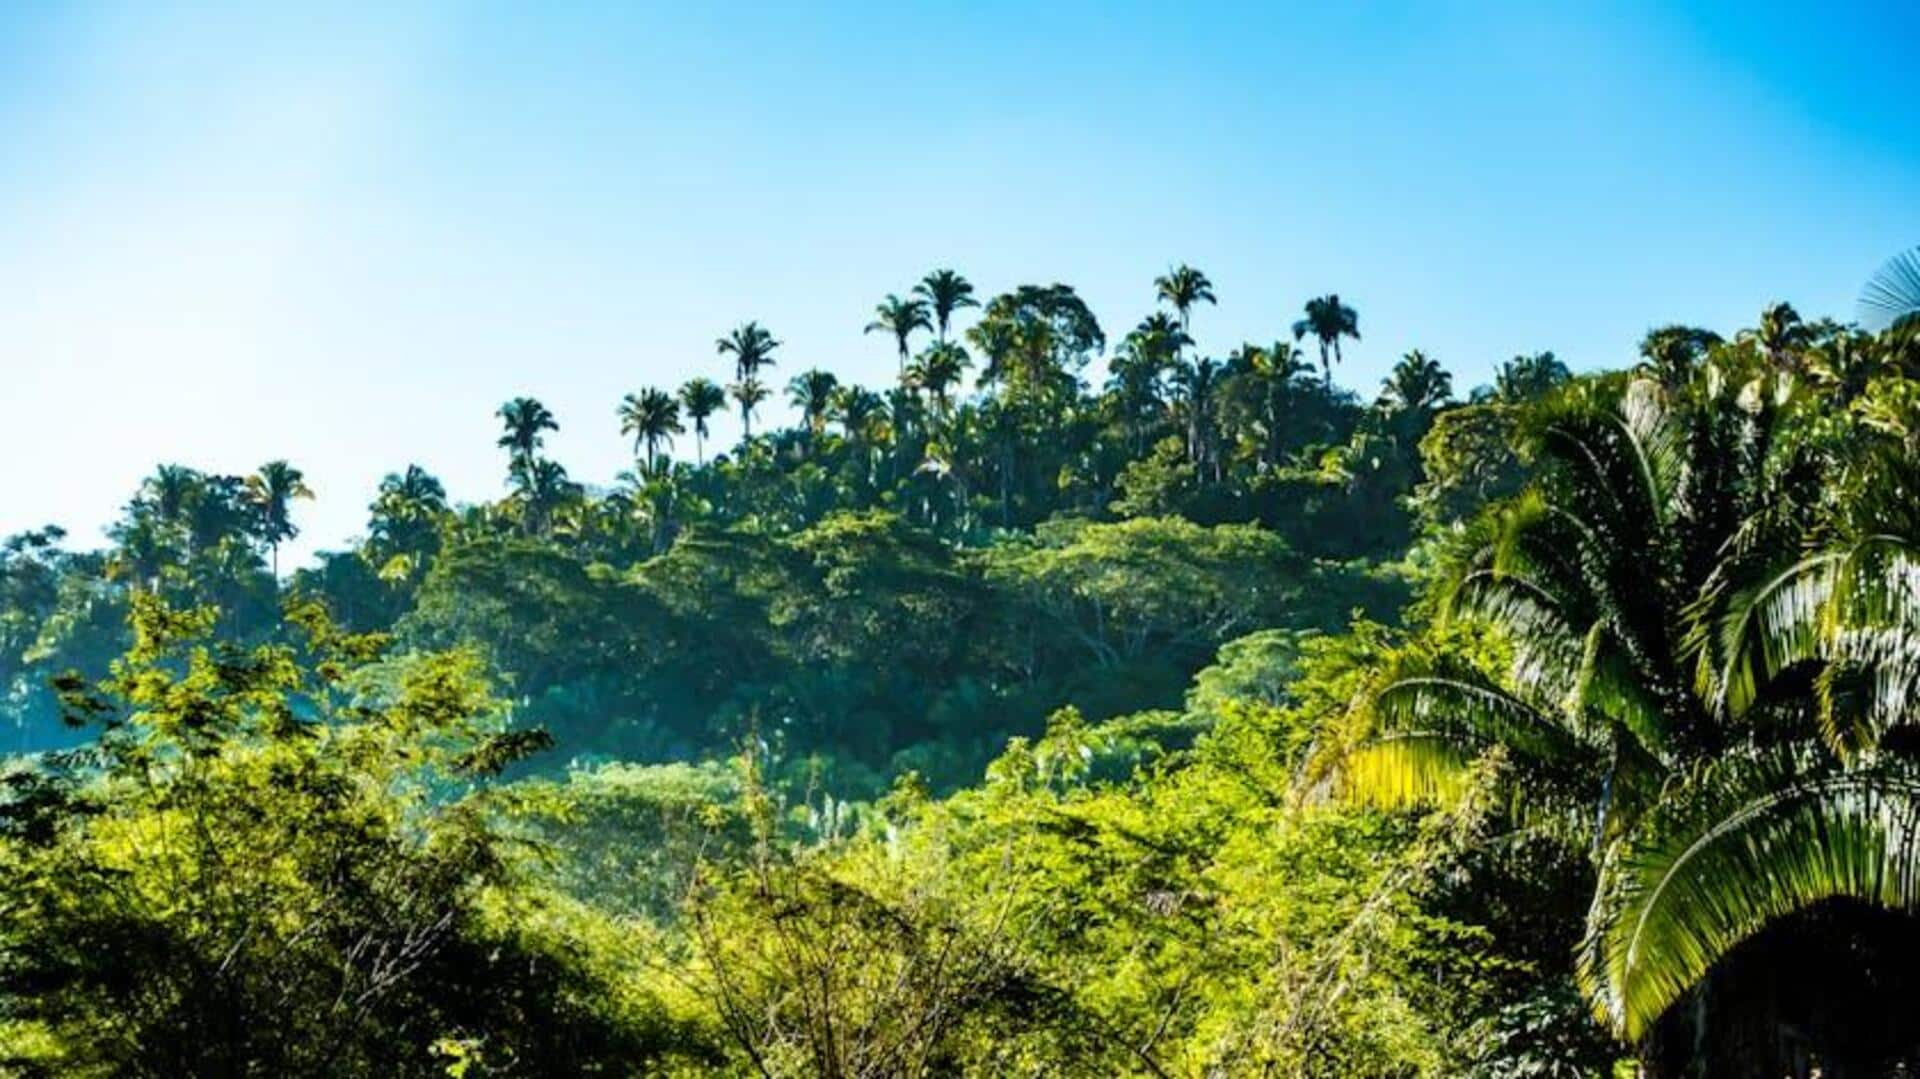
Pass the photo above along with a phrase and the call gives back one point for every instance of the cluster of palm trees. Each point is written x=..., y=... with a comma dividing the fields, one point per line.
x=1033, y=439
x=181, y=515
x=1706, y=603
x=652, y=417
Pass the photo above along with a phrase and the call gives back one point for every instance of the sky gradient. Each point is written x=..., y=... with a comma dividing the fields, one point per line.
x=343, y=238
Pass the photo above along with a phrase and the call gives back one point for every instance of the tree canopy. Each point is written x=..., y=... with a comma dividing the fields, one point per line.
x=1055, y=709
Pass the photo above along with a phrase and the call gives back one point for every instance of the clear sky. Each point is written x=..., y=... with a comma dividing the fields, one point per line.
x=344, y=235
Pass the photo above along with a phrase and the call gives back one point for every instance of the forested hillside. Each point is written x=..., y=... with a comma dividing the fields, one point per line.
x=899, y=581
x=1071, y=705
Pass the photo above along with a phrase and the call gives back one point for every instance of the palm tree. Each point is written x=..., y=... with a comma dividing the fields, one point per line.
x=812, y=393
x=859, y=411
x=1260, y=395
x=403, y=521
x=1138, y=370
x=945, y=292
x=1673, y=353
x=750, y=393
x=937, y=370
x=271, y=492
x=1417, y=384
x=525, y=420
x=751, y=347
x=171, y=491
x=543, y=489
x=1782, y=334
x=650, y=417
x=1524, y=378
x=1328, y=320
x=1183, y=287
x=701, y=398
x=1655, y=711
x=900, y=318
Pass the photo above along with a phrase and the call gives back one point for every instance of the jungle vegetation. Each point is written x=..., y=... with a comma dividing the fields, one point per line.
x=1074, y=705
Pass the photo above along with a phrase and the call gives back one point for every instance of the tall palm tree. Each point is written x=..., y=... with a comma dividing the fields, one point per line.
x=812, y=393
x=945, y=293
x=651, y=417
x=937, y=370
x=1655, y=711
x=701, y=398
x=1182, y=287
x=900, y=318
x=751, y=347
x=1416, y=384
x=1328, y=320
x=271, y=492
x=750, y=393
x=525, y=420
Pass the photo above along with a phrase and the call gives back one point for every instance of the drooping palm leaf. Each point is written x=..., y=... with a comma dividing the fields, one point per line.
x=1733, y=848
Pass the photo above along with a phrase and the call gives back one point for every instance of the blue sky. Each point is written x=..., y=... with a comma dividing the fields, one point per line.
x=343, y=235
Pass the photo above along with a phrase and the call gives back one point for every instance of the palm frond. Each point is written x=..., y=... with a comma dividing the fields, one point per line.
x=1657, y=442
x=1403, y=770
x=1609, y=685
x=1731, y=849
x=1892, y=294
x=1762, y=630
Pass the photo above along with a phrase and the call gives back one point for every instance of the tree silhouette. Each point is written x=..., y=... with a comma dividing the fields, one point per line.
x=650, y=418
x=1328, y=320
x=700, y=398
x=945, y=292
x=271, y=491
x=900, y=318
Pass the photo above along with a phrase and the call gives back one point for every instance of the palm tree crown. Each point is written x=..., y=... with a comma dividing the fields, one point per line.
x=701, y=398
x=1417, y=384
x=945, y=292
x=525, y=420
x=650, y=417
x=937, y=370
x=900, y=318
x=1328, y=320
x=751, y=347
x=271, y=492
x=750, y=393
x=812, y=393
x=1182, y=287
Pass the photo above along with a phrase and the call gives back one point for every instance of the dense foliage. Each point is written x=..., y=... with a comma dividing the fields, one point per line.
x=1205, y=721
